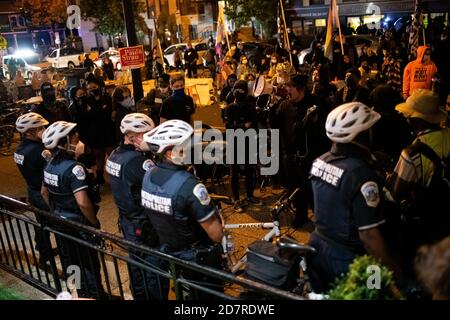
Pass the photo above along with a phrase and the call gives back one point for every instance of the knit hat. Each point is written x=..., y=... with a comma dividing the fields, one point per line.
x=423, y=104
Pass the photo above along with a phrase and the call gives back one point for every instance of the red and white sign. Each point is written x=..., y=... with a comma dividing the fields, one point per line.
x=132, y=57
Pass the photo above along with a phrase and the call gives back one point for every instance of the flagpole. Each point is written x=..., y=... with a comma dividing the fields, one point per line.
x=221, y=18
x=285, y=31
x=157, y=39
x=339, y=27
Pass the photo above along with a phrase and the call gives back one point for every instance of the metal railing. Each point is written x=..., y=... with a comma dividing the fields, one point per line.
x=111, y=255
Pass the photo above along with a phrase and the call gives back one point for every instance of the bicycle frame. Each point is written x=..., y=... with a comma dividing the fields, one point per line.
x=274, y=232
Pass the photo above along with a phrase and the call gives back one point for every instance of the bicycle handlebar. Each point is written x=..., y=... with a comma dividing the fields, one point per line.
x=218, y=197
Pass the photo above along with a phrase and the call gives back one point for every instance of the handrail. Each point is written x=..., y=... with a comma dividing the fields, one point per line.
x=14, y=205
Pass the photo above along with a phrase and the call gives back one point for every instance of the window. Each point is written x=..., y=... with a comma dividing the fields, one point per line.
x=316, y=2
x=201, y=47
x=63, y=52
x=321, y=22
x=170, y=50
x=53, y=54
x=193, y=32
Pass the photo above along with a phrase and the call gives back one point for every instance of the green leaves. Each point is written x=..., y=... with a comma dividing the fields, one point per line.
x=242, y=12
x=358, y=283
x=45, y=12
x=108, y=15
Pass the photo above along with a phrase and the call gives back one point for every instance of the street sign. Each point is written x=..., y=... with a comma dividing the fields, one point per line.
x=132, y=57
x=3, y=43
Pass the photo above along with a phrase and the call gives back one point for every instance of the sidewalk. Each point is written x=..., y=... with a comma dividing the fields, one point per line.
x=20, y=288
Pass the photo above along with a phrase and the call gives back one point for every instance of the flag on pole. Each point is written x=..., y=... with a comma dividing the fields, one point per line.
x=333, y=22
x=283, y=38
x=414, y=33
x=156, y=45
x=221, y=31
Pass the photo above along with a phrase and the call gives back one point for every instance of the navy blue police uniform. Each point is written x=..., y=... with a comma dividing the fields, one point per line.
x=30, y=162
x=346, y=201
x=64, y=177
x=126, y=167
x=176, y=204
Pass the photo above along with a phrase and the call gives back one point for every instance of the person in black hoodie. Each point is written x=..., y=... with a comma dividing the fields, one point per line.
x=352, y=91
x=51, y=109
x=241, y=115
x=301, y=121
x=392, y=133
x=100, y=129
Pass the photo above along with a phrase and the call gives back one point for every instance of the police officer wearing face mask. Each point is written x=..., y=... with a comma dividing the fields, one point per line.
x=178, y=206
x=126, y=167
x=65, y=189
x=154, y=99
x=51, y=109
x=347, y=198
x=29, y=161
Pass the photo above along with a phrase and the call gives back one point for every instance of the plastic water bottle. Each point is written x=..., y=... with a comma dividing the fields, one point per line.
x=230, y=243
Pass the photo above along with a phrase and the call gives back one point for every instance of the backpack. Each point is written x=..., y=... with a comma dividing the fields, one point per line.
x=430, y=206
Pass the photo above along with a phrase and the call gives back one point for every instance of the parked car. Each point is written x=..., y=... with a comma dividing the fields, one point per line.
x=113, y=56
x=251, y=49
x=27, y=63
x=169, y=52
x=359, y=40
x=65, y=58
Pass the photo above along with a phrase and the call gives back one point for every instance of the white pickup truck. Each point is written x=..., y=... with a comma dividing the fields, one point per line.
x=65, y=58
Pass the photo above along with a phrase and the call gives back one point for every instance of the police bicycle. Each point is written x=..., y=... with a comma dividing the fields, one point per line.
x=289, y=259
x=8, y=118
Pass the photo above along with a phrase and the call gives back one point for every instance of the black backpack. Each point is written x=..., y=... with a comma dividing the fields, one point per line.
x=430, y=206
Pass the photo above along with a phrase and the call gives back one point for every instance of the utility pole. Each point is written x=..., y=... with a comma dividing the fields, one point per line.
x=138, y=92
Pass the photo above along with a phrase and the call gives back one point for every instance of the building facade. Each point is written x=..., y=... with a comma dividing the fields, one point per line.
x=308, y=17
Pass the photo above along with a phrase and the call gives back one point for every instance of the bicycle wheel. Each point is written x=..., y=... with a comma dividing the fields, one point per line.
x=7, y=146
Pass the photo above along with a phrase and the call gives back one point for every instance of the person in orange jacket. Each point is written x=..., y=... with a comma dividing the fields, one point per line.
x=418, y=74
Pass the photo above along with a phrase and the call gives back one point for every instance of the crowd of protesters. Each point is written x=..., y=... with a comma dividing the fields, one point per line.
x=355, y=137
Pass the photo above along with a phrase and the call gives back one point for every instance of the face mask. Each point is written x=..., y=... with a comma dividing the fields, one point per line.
x=80, y=98
x=178, y=92
x=273, y=61
x=128, y=102
x=49, y=99
x=233, y=48
x=350, y=82
x=77, y=149
x=443, y=38
x=96, y=92
x=244, y=61
x=164, y=90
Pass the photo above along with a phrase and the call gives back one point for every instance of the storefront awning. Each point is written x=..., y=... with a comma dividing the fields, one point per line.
x=360, y=9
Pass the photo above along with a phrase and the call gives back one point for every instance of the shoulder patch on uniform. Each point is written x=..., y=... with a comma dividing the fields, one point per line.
x=147, y=164
x=371, y=194
x=202, y=194
x=79, y=172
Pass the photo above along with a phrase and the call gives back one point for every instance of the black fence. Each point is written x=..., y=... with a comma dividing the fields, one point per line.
x=104, y=260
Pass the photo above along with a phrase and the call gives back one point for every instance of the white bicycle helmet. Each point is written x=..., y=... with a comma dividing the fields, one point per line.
x=168, y=134
x=346, y=121
x=136, y=122
x=56, y=132
x=29, y=121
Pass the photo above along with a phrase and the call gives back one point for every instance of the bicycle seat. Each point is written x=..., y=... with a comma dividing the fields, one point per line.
x=291, y=244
